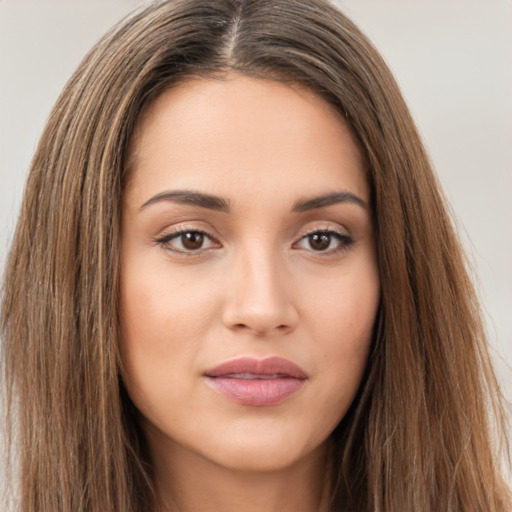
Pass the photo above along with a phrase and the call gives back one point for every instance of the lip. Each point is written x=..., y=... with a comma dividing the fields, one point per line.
x=257, y=382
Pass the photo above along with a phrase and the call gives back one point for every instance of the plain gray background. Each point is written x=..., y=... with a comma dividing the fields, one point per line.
x=452, y=58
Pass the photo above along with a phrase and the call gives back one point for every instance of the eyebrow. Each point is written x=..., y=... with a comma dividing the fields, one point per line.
x=189, y=197
x=219, y=204
x=325, y=200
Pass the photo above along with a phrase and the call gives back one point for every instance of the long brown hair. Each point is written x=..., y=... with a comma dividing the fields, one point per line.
x=425, y=429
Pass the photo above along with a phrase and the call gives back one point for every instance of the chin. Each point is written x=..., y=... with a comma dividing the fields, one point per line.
x=253, y=459
x=267, y=450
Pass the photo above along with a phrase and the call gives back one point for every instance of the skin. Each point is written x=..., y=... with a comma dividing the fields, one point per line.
x=259, y=284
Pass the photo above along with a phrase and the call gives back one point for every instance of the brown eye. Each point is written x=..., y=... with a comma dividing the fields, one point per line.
x=188, y=242
x=319, y=241
x=327, y=242
x=192, y=240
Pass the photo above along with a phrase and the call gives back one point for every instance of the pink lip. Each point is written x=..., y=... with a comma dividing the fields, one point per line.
x=257, y=382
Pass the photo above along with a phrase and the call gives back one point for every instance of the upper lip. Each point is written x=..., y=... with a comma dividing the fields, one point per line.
x=276, y=366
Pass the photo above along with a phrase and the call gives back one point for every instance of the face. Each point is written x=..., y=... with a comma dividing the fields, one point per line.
x=249, y=282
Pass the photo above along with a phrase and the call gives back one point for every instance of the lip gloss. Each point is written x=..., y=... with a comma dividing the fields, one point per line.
x=254, y=382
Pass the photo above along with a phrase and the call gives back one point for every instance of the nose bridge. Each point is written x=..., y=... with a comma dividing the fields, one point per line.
x=259, y=300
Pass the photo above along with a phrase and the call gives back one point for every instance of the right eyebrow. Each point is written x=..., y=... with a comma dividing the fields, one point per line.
x=191, y=198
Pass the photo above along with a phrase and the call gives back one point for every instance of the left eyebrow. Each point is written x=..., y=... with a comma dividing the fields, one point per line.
x=327, y=200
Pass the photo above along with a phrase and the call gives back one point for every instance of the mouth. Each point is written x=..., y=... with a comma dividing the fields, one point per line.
x=256, y=382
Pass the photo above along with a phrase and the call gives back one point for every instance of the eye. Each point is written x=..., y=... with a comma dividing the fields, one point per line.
x=187, y=241
x=326, y=241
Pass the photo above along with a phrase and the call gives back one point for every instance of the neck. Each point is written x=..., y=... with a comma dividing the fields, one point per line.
x=187, y=482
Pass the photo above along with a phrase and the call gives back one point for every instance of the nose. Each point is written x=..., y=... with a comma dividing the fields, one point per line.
x=259, y=300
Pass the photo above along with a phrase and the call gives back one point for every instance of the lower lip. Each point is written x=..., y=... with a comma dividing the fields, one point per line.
x=256, y=392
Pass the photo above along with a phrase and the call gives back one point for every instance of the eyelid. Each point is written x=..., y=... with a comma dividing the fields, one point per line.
x=345, y=238
x=326, y=226
x=175, y=232
x=342, y=235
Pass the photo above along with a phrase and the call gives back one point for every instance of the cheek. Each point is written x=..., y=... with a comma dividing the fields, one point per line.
x=160, y=332
x=343, y=323
x=343, y=310
x=159, y=305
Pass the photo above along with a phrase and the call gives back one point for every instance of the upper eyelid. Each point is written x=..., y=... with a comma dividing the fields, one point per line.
x=327, y=227
x=185, y=227
x=164, y=241
x=338, y=233
x=209, y=231
x=180, y=231
x=323, y=230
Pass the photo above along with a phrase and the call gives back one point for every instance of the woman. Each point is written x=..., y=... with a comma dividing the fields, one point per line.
x=234, y=285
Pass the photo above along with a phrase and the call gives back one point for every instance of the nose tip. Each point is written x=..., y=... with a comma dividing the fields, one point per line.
x=261, y=303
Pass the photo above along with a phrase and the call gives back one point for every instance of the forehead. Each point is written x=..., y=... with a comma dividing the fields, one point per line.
x=240, y=134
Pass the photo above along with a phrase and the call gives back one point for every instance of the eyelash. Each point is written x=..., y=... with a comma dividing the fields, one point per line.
x=165, y=240
x=345, y=241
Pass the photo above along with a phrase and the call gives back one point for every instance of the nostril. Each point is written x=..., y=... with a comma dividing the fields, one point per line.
x=260, y=331
x=260, y=313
